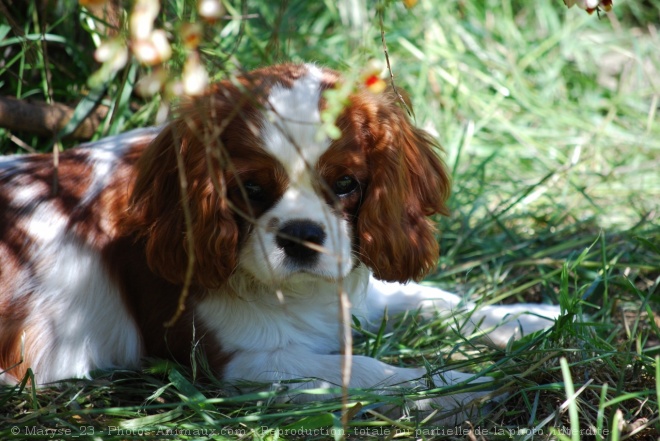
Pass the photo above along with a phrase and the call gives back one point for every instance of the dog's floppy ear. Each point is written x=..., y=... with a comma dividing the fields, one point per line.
x=408, y=183
x=156, y=216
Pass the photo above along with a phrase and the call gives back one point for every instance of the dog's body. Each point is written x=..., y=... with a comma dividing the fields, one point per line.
x=275, y=221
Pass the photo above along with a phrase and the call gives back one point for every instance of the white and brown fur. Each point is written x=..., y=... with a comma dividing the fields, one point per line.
x=280, y=218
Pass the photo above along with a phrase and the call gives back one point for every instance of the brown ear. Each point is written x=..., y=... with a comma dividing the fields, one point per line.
x=408, y=183
x=156, y=216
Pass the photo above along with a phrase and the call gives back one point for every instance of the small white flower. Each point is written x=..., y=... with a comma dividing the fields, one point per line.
x=195, y=77
x=589, y=5
x=113, y=53
x=210, y=10
x=153, y=50
x=142, y=18
x=151, y=84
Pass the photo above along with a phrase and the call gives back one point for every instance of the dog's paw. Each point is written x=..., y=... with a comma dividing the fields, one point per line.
x=455, y=397
x=501, y=323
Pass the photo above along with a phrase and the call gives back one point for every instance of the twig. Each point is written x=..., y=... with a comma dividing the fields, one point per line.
x=387, y=60
x=190, y=242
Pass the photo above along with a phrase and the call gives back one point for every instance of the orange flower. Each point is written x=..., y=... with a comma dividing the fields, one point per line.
x=191, y=35
x=87, y=3
x=372, y=77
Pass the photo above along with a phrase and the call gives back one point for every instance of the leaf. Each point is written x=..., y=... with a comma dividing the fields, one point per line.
x=311, y=422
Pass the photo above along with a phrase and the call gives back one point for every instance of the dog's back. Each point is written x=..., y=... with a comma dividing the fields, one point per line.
x=54, y=220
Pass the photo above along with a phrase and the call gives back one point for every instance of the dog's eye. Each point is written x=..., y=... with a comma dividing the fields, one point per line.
x=345, y=186
x=254, y=191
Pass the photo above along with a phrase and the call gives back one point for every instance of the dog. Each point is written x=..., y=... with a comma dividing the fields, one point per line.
x=235, y=228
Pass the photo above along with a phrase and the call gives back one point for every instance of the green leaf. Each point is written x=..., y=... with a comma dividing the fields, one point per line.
x=312, y=422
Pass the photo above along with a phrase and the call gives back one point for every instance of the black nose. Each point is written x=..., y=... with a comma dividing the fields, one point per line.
x=294, y=235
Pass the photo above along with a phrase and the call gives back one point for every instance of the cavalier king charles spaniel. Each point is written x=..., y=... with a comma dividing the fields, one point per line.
x=238, y=224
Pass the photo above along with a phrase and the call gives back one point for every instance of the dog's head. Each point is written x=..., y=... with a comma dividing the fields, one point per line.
x=267, y=192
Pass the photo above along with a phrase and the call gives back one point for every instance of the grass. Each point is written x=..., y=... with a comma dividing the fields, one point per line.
x=549, y=121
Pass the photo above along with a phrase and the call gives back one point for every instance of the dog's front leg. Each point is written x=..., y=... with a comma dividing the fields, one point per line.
x=304, y=375
x=497, y=323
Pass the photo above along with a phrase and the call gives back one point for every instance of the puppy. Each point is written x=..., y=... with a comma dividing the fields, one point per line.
x=238, y=224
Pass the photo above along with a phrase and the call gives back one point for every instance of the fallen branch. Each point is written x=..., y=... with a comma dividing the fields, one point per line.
x=46, y=119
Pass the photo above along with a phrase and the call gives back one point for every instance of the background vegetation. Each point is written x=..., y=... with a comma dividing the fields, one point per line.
x=548, y=117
